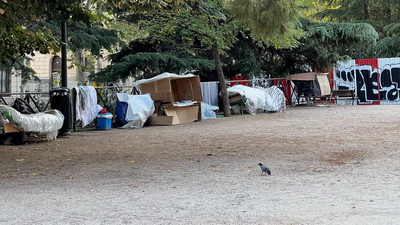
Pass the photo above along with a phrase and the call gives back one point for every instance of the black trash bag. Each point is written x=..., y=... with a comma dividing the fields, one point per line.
x=16, y=138
x=23, y=107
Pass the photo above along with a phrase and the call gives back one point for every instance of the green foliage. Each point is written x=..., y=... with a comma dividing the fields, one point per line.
x=261, y=16
x=16, y=15
x=148, y=64
x=20, y=69
x=16, y=41
x=329, y=42
x=82, y=36
x=388, y=46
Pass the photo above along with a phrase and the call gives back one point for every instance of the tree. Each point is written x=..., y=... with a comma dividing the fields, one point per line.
x=17, y=41
x=84, y=38
x=25, y=72
x=203, y=25
x=173, y=43
x=381, y=14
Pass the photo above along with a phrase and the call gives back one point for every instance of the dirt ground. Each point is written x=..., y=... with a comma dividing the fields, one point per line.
x=330, y=165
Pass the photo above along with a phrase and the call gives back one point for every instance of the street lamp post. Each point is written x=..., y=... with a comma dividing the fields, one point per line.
x=64, y=82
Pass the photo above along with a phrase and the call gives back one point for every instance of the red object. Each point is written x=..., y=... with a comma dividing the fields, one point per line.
x=103, y=111
x=239, y=80
x=374, y=64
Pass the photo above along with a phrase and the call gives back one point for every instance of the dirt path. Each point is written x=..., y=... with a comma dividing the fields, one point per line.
x=330, y=165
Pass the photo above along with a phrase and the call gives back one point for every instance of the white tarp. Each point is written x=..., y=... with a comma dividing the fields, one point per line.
x=140, y=107
x=209, y=91
x=162, y=76
x=208, y=111
x=87, y=108
x=47, y=123
x=275, y=100
x=271, y=99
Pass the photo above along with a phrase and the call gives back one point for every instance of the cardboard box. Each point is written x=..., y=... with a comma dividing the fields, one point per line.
x=174, y=89
x=166, y=91
x=185, y=114
x=158, y=120
x=234, y=97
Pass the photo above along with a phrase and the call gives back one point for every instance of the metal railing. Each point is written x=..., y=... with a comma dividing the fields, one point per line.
x=40, y=101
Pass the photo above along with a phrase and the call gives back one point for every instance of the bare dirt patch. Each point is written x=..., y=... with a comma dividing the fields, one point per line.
x=330, y=165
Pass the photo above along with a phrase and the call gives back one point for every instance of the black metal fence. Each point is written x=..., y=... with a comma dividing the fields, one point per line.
x=39, y=101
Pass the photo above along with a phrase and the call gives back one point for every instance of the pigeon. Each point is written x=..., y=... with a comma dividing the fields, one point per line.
x=264, y=169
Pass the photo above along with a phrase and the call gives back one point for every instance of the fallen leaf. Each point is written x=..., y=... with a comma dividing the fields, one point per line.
x=20, y=160
x=68, y=159
x=218, y=169
x=69, y=177
x=56, y=156
x=132, y=161
x=2, y=11
x=251, y=167
x=34, y=174
x=292, y=142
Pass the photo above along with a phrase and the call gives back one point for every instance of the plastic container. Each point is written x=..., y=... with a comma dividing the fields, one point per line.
x=104, y=121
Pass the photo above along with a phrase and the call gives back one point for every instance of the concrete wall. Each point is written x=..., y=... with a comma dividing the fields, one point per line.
x=42, y=64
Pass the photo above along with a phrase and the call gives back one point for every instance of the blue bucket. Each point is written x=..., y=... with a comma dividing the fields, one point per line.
x=104, y=121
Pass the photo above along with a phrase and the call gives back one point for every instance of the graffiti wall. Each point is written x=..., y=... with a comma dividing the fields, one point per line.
x=375, y=81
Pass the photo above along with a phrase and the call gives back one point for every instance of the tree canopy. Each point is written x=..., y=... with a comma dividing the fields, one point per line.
x=16, y=15
x=178, y=35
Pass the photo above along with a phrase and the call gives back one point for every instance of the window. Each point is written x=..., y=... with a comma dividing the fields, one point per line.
x=56, y=64
x=4, y=81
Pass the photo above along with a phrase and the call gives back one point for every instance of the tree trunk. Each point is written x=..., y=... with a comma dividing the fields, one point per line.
x=389, y=15
x=82, y=77
x=366, y=11
x=80, y=60
x=221, y=79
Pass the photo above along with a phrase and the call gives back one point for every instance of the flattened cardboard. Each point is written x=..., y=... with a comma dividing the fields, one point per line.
x=234, y=97
x=324, y=84
x=8, y=128
x=158, y=120
x=184, y=114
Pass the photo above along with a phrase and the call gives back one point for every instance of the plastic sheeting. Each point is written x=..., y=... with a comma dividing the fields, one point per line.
x=47, y=123
x=208, y=111
x=271, y=99
x=86, y=104
x=140, y=107
x=162, y=76
x=275, y=99
x=209, y=90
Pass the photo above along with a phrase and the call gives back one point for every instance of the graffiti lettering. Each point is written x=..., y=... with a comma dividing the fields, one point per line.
x=371, y=85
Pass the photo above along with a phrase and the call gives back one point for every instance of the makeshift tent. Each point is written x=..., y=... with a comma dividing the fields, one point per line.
x=311, y=85
x=176, y=97
x=271, y=99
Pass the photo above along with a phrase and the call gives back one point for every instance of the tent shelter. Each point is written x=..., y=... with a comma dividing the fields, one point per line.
x=310, y=86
